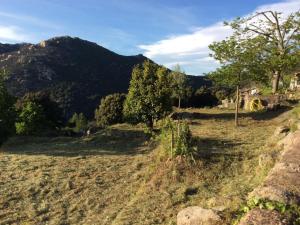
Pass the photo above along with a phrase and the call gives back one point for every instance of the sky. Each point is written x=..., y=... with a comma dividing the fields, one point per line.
x=169, y=32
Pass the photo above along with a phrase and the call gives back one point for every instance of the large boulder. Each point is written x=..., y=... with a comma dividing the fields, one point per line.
x=196, y=215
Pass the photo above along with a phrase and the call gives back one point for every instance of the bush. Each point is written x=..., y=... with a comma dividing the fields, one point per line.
x=78, y=123
x=176, y=138
x=51, y=110
x=31, y=119
x=110, y=110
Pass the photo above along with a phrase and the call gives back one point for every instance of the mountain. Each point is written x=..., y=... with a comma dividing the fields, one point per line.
x=76, y=73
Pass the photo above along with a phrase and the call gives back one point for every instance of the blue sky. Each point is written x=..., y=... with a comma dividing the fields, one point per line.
x=167, y=31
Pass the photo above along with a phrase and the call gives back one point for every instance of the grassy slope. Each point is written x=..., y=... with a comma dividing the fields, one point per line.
x=116, y=177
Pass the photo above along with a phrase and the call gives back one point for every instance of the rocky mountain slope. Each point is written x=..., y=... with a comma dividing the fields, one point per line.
x=76, y=73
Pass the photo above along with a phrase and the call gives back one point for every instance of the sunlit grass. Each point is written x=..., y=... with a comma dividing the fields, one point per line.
x=118, y=176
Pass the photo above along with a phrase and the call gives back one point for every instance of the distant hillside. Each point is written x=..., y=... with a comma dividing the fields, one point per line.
x=76, y=73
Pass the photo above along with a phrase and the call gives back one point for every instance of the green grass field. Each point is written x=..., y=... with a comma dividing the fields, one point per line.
x=120, y=177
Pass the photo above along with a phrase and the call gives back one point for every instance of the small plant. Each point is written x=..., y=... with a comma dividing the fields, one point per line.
x=176, y=138
x=292, y=212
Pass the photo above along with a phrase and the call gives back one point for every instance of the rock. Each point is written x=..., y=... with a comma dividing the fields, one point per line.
x=281, y=131
x=282, y=183
x=196, y=215
x=263, y=217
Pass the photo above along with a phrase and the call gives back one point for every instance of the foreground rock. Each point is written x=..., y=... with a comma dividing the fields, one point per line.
x=197, y=216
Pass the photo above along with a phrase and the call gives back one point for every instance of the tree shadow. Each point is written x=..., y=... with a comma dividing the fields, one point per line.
x=264, y=115
x=106, y=142
x=211, y=150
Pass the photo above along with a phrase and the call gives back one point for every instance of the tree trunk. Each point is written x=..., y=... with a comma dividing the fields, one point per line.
x=237, y=103
x=275, y=81
x=179, y=102
x=149, y=123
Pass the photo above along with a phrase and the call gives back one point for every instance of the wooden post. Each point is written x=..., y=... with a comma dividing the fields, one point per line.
x=172, y=141
x=237, y=103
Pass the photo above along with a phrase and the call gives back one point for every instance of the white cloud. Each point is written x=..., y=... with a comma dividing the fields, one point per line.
x=191, y=50
x=10, y=34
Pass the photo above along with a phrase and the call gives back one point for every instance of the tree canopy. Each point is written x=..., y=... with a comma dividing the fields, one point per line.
x=149, y=96
x=110, y=110
x=277, y=39
x=180, y=87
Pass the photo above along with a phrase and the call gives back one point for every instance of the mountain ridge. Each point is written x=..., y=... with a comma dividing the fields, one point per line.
x=75, y=73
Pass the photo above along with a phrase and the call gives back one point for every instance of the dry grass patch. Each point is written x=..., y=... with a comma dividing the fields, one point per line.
x=118, y=177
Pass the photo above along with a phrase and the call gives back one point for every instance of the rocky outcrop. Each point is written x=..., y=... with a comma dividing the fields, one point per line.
x=198, y=216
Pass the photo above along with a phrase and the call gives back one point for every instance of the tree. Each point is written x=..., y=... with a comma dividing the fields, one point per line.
x=110, y=110
x=31, y=119
x=241, y=64
x=279, y=40
x=81, y=124
x=51, y=110
x=149, y=96
x=78, y=122
x=180, y=88
x=7, y=111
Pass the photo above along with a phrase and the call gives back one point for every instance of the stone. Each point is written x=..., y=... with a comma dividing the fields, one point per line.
x=196, y=215
x=263, y=217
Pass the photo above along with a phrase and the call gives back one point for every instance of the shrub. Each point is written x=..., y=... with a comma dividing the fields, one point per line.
x=110, y=110
x=51, y=110
x=176, y=138
x=31, y=119
x=78, y=122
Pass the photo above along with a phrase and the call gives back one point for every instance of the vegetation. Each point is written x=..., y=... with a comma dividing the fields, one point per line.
x=176, y=138
x=291, y=212
x=277, y=39
x=119, y=175
x=110, y=110
x=180, y=88
x=31, y=119
x=107, y=179
x=78, y=122
x=149, y=96
x=52, y=112
x=7, y=112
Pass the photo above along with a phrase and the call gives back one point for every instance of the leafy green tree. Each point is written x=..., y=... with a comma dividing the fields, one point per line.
x=180, y=88
x=31, y=119
x=241, y=64
x=7, y=112
x=52, y=111
x=278, y=43
x=149, y=96
x=110, y=110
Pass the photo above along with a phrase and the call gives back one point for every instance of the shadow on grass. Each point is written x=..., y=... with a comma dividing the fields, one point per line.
x=212, y=150
x=266, y=115
x=106, y=142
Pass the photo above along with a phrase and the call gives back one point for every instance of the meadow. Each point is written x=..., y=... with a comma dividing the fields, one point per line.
x=120, y=176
